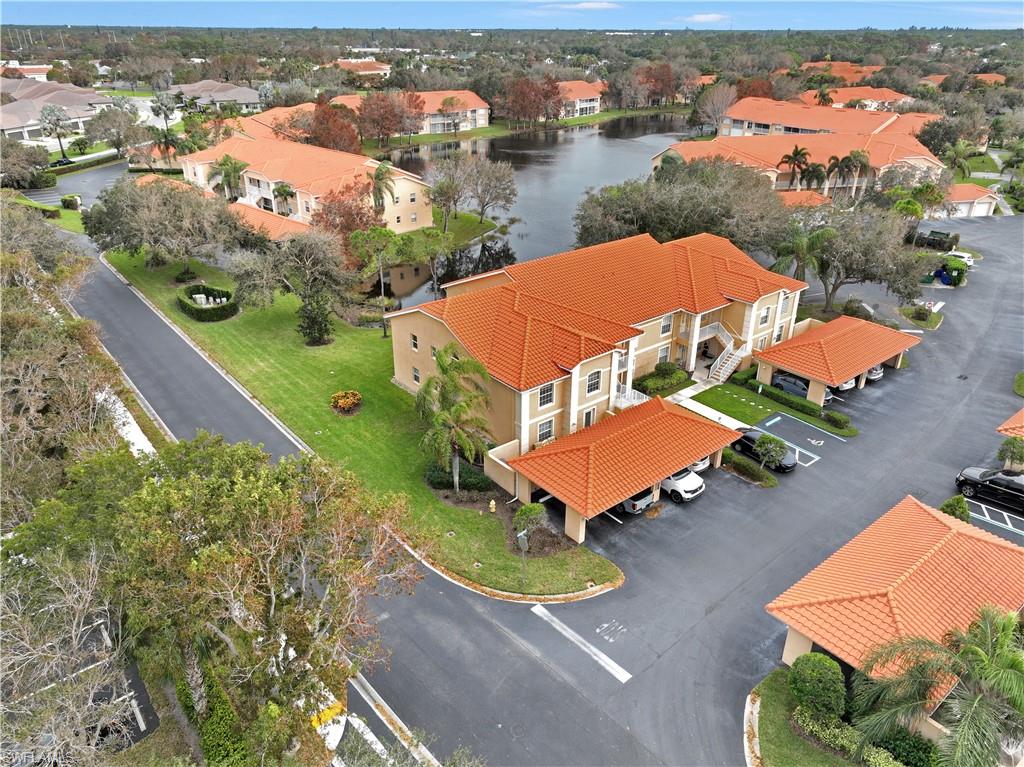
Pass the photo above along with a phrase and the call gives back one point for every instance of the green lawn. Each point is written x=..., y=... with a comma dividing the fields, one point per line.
x=750, y=407
x=932, y=323
x=68, y=219
x=612, y=114
x=99, y=146
x=983, y=163
x=960, y=178
x=1018, y=384
x=141, y=93
x=465, y=227
x=780, y=746
x=380, y=444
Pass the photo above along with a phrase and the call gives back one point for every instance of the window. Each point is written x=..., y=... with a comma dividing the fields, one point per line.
x=416, y=375
x=546, y=395
x=589, y=416
x=761, y=342
x=433, y=352
x=413, y=218
x=545, y=430
x=415, y=269
x=398, y=219
x=666, y=324
x=778, y=334
x=412, y=197
x=396, y=199
x=663, y=354
x=766, y=313
x=785, y=304
x=305, y=206
x=415, y=342
x=594, y=382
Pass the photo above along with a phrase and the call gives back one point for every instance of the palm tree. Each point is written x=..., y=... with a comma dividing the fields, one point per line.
x=456, y=432
x=815, y=175
x=796, y=161
x=984, y=708
x=282, y=193
x=164, y=106
x=1016, y=159
x=53, y=121
x=860, y=161
x=229, y=171
x=801, y=250
x=957, y=156
x=824, y=97
x=382, y=185
x=166, y=141
x=456, y=378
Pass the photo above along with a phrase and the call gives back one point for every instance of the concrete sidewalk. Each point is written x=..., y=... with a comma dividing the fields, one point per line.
x=685, y=400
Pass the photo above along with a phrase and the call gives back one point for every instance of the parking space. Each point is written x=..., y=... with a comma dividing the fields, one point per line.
x=810, y=443
x=997, y=517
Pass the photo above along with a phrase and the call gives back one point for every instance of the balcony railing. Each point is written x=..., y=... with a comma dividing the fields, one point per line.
x=627, y=397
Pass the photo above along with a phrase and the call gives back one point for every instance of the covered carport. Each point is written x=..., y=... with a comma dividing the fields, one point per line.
x=595, y=468
x=831, y=353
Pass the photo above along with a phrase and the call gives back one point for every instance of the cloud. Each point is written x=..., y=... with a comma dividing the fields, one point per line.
x=586, y=5
x=705, y=18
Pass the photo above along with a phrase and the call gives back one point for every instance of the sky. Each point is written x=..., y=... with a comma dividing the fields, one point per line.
x=517, y=14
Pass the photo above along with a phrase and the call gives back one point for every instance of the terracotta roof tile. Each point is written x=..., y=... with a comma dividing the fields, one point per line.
x=838, y=350
x=845, y=70
x=913, y=572
x=1013, y=426
x=153, y=178
x=363, y=66
x=275, y=226
x=991, y=78
x=597, y=467
x=572, y=90
x=856, y=93
x=805, y=198
x=935, y=80
x=968, y=192
x=810, y=116
x=432, y=100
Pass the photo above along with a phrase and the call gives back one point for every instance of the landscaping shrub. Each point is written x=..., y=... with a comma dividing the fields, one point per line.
x=210, y=312
x=748, y=468
x=346, y=401
x=666, y=379
x=787, y=399
x=181, y=691
x=43, y=179
x=666, y=368
x=528, y=516
x=1011, y=450
x=956, y=507
x=816, y=682
x=470, y=478
x=910, y=749
x=837, y=735
x=921, y=313
x=742, y=377
x=839, y=420
x=372, y=320
x=62, y=169
x=854, y=308
x=69, y=201
x=956, y=269
x=185, y=275
x=220, y=732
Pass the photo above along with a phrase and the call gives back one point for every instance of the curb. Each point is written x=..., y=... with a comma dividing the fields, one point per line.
x=751, y=737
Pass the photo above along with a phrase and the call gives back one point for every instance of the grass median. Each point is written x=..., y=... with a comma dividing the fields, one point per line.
x=750, y=407
x=381, y=444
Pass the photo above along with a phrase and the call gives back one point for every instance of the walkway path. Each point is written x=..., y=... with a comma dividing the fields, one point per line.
x=684, y=398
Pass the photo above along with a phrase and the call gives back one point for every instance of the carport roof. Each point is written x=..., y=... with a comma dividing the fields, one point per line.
x=839, y=350
x=597, y=467
x=1013, y=426
x=913, y=572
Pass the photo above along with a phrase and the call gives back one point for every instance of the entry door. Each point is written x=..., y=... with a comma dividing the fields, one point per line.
x=589, y=416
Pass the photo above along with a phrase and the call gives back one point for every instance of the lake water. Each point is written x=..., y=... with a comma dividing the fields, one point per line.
x=553, y=172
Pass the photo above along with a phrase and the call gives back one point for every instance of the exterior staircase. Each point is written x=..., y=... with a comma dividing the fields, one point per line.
x=727, y=362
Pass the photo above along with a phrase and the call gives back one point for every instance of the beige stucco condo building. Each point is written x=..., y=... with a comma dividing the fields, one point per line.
x=564, y=337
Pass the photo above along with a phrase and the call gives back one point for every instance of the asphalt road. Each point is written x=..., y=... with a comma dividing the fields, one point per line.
x=655, y=672
x=86, y=183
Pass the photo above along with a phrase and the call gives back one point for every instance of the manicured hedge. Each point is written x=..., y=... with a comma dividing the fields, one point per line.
x=470, y=478
x=911, y=749
x=69, y=201
x=837, y=735
x=747, y=468
x=210, y=313
x=956, y=269
x=816, y=682
x=60, y=170
x=221, y=735
x=666, y=379
x=43, y=179
x=839, y=420
x=742, y=377
x=787, y=399
x=48, y=211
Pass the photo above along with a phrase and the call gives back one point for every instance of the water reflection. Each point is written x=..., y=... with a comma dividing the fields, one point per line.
x=412, y=285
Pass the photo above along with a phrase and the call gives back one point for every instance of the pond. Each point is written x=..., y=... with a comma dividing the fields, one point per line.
x=553, y=170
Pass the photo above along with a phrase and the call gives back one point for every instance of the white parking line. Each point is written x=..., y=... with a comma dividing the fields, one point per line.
x=998, y=517
x=606, y=663
x=812, y=426
x=798, y=450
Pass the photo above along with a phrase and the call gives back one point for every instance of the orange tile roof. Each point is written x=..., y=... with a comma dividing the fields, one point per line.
x=351, y=100
x=572, y=90
x=805, y=198
x=431, y=100
x=968, y=193
x=706, y=79
x=151, y=178
x=764, y=152
x=991, y=78
x=595, y=468
x=1013, y=426
x=845, y=70
x=275, y=226
x=856, y=93
x=362, y=66
x=309, y=168
x=522, y=340
x=810, y=116
x=262, y=125
x=913, y=572
x=839, y=350
x=910, y=123
x=935, y=80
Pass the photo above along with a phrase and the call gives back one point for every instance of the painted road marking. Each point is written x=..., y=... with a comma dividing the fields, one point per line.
x=775, y=420
x=605, y=662
x=998, y=517
x=812, y=426
x=611, y=631
x=800, y=452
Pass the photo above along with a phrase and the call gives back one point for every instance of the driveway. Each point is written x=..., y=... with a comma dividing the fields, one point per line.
x=86, y=183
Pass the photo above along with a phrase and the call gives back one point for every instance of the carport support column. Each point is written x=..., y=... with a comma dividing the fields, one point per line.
x=716, y=459
x=764, y=373
x=574, y=399
x=861, y=380
x=631, y=362
x=816, y=392
x=894, y=362
x=796, y=645
x=575, y=524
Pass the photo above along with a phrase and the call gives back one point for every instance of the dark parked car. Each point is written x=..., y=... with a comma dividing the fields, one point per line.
x=796, y=385
x=1002, y=486
x=61, y=162
x=745, y=444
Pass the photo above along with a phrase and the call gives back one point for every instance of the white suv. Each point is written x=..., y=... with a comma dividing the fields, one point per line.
x=683, y=486
x=967, y=258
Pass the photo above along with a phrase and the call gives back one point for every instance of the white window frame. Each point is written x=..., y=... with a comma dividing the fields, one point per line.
x=412, y=218
x=414, y=341
x=785, y=303
x=415, y=375
x=590, y=378
x=766, y=314
x=666, y=331
x=549, y=427
x=433, y=352
x=549, y=389
x=761, y=343
x=412, y=197
x=664, y=353
x=589, y=417
x=780, y=330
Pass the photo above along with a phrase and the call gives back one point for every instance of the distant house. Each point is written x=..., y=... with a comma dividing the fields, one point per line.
x=311, y=172
x=215, y=93
x=846, y=71
x=443, y=111
x=35, y=72
x=364, y=68
x=764, y=153
x=933, y=81
x=754, y=116
x=965, y=200
x=991, y=78
x=579, y=98
x=805, y=198
x=20, y=118
x=866, y=97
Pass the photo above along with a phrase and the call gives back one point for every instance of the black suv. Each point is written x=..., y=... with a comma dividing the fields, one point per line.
x=1002, y=486
x=796, y=385
x=745, y=444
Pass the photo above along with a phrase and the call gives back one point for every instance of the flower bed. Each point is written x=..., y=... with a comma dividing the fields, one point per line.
x=346, y=402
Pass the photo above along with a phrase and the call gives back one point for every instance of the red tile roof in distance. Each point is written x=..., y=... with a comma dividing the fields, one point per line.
x=935, y=80
x=362, y=66
x=572, y=90
x=275, y=226
x=968, y=192
x=855, y=93
x=810, y=116
x=1013, y=426
x=154, y=178
x=991, y=78
x=845, y=70
x=595, y=468
x=913, y=572
x=805, y=198
x=432, y=101
x=838, y=350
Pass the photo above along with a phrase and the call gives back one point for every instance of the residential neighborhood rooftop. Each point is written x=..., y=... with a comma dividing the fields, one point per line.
x=593, y=469
x=1013, y=426
x=836, y=351
x=573, y=90
x=846, y=70
x=432, y=100
x=821, y=118
x=274, y=225
x=855, y=93
x=968, y=192
x=912, y=572
x=804, y=198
